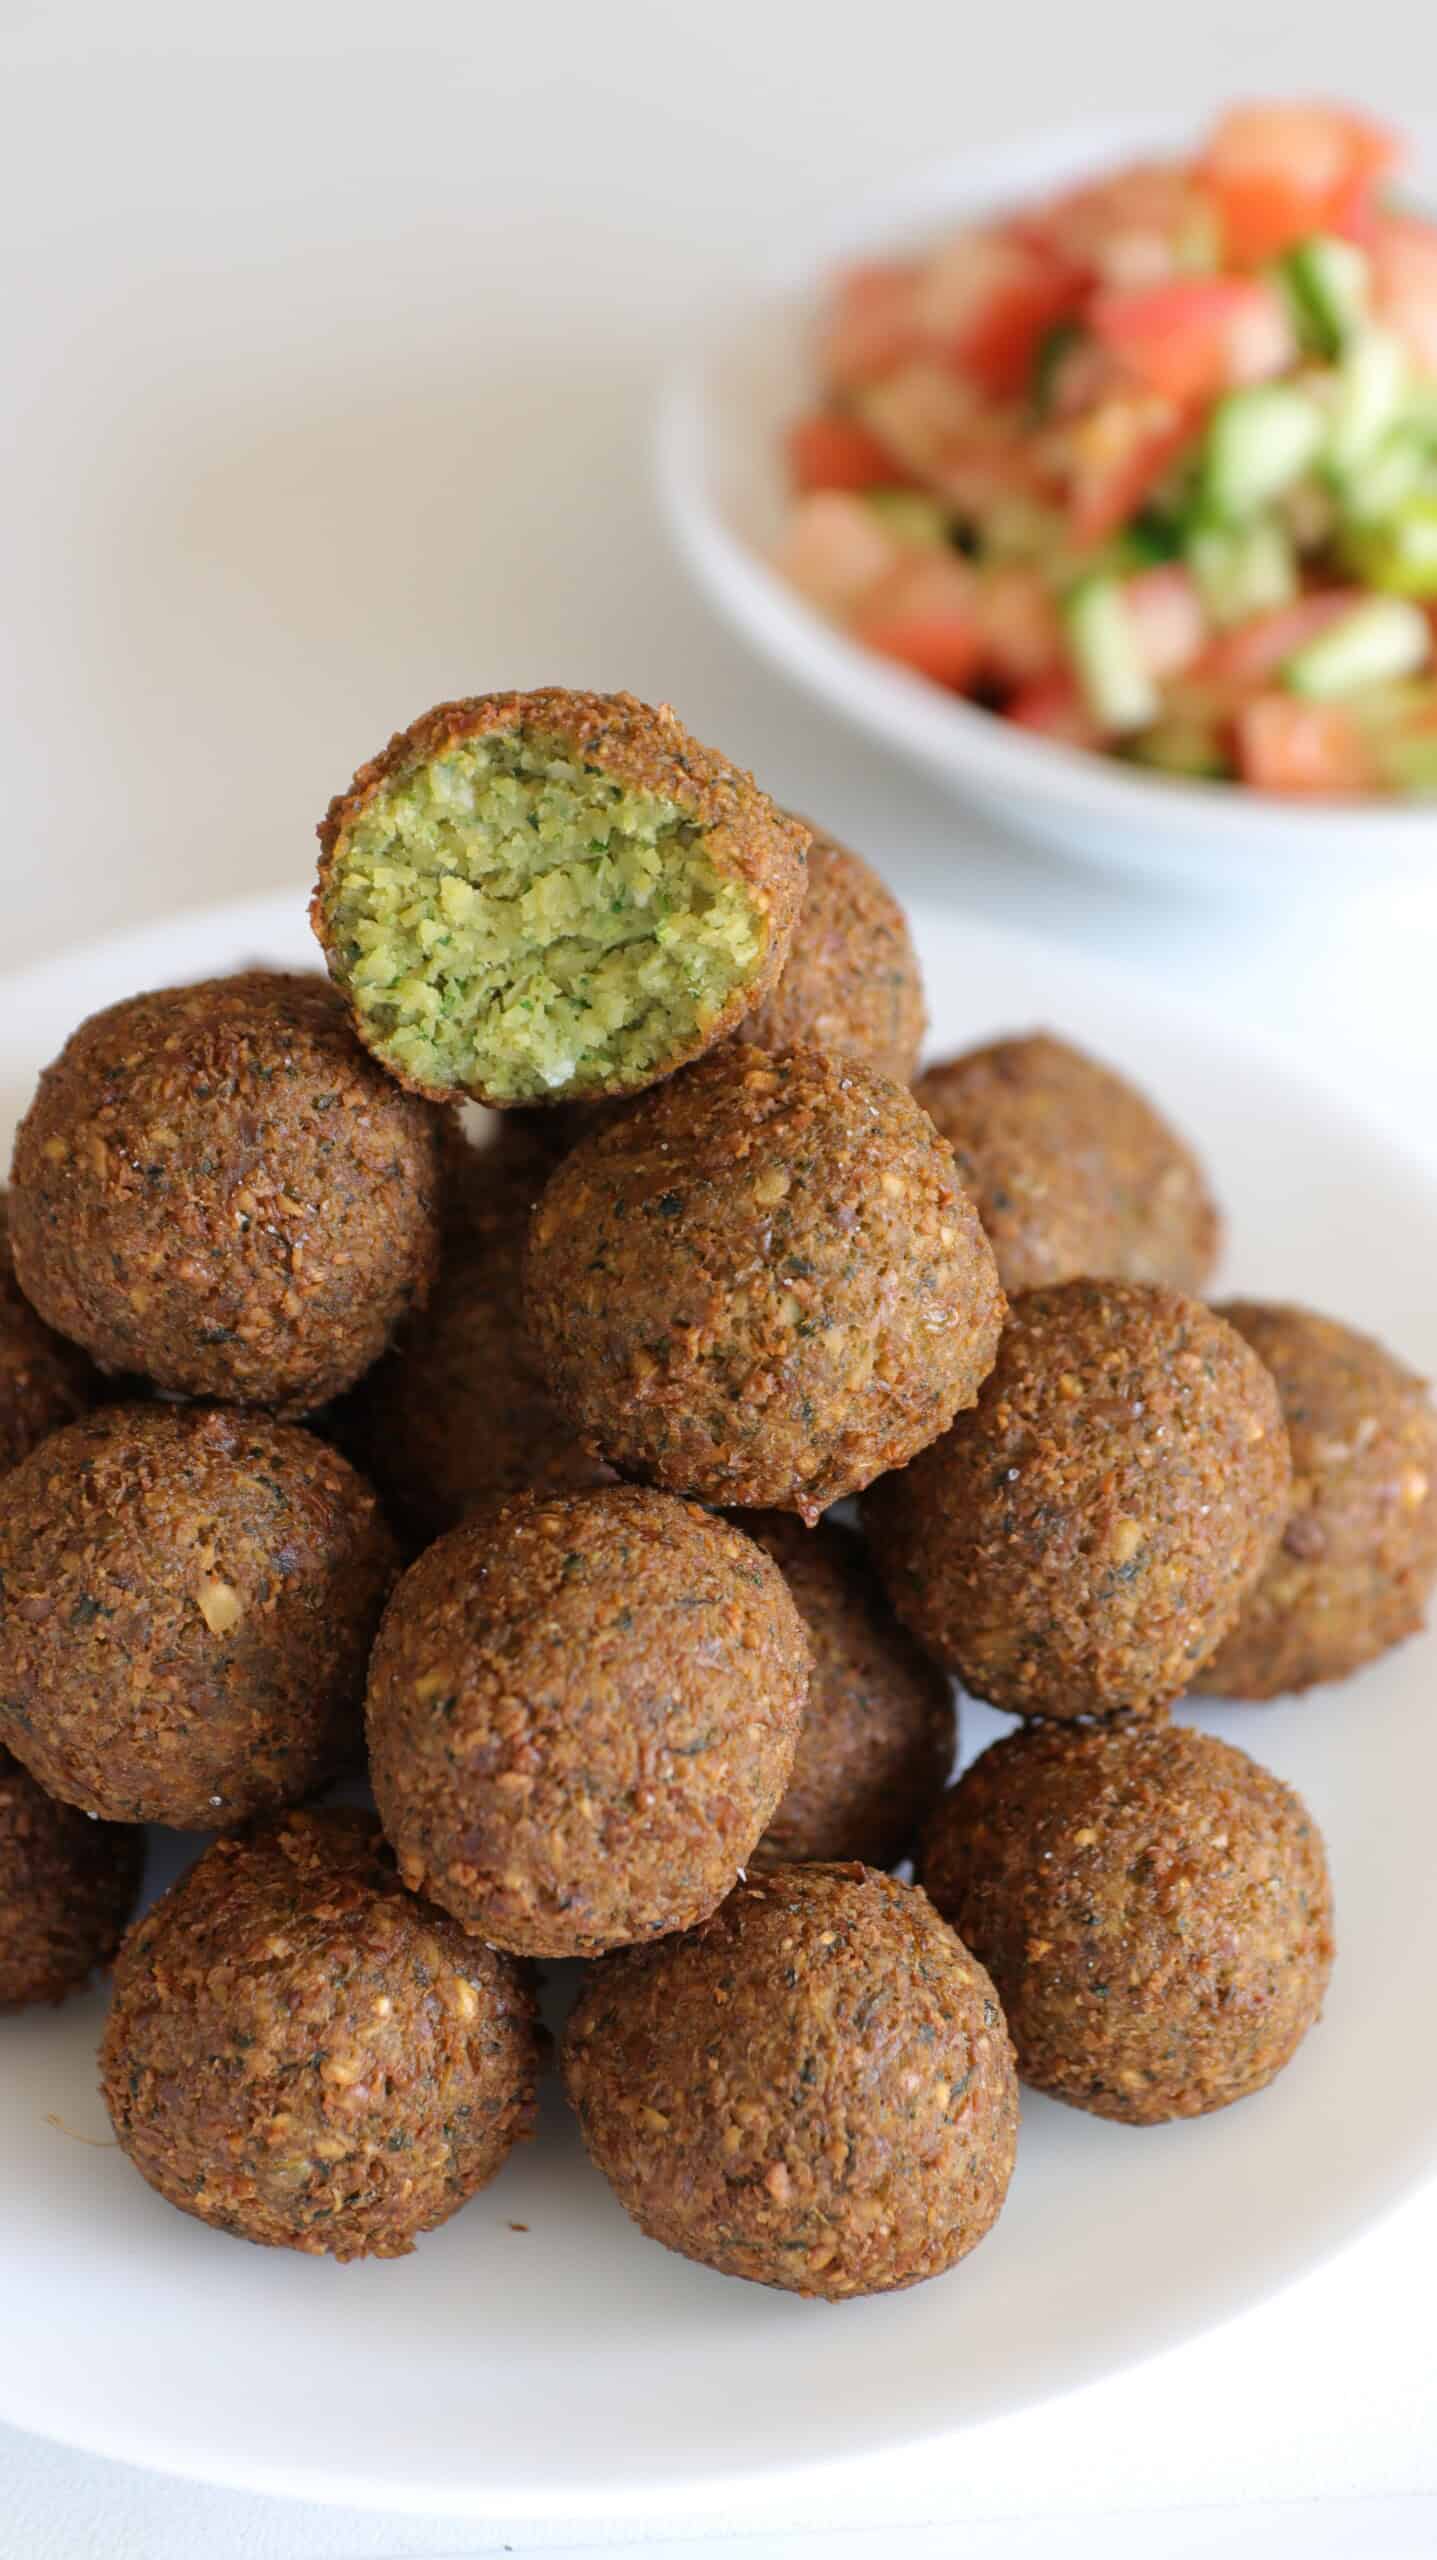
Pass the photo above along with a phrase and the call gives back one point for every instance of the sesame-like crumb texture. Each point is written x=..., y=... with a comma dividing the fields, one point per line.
x=67, y=1887
x=1074, y=1173
x=534, y=895
x=880, y=1726
x=582, y=1713
x=1358, y=1556
x=763, y=1285
x=187, y=1601
x=1153, y=1906
x=1081, y=1542
x=215, y=1186
x=44, y=1381
x=816, y=2090
x=302, y=2055
x=851, y=983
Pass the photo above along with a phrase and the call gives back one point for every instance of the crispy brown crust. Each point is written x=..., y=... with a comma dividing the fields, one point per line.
x=582, y=1712
x=746, y=836
x=300, y=2054
x=1080, y=1543
x=1358, y=1556
x=187, y=1600
x=216, y=1186
x=880, y=1726
x=762, y=1284
x=1074, y=1173
x=814, y=2091
x=67, y=1888
x=851, y=983
x=45, y=1381
x=1153, y=1906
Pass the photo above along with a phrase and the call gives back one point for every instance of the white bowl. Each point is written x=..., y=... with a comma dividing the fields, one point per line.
x=720, y=426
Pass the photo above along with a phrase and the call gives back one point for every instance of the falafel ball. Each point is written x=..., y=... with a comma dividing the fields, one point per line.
x=814, y=2090
x=187, y=1600
x=1153, y=1906
x=583, y=1710
x=533, y=895
x=1358, y=1556
x=67, y=1888
x=1080, y=1544
x=880, y=1726
x=459, y=1409
x=1076, y=1176
x=44, y=1381
x=216, y=1186
x=302, y=2055
x=851, y=983
x=763, y=1285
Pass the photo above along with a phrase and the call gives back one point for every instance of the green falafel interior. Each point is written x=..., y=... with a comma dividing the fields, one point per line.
x=509, y=920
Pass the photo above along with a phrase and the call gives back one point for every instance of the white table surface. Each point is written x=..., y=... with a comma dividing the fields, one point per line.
x=220, y=595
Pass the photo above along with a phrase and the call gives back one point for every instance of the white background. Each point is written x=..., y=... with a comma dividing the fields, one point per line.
x=297, y=451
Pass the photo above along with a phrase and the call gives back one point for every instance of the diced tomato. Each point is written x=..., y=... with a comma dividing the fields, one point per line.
x=1169, y=618
x=919, y=412
x=1132, y=228
x=870, y=326
x=985, y=300
x=922, y=614
x=1279, y=172
x=1300, y=748
x=1197, y=335
x=1055, y=708
x=1404, y=283
x=1252, y=651
x=840, y=453
x=834, y=549
x=1016, y=614
x=1116, y=458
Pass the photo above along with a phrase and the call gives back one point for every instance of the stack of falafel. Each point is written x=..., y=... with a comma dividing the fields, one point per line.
x=328, y=1429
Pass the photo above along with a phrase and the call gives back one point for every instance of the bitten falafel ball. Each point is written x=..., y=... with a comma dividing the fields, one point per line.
x=582, y=1711
x=187, y=1600
x=880, y=1726
x=1358, y=1556
x=215, y=1186
x=44, y=1381
x=815, y=2090
x=1153, y=1906
x=1074, y=1173
x=67, y=1888
x=532, y=895
x=302, y=2055
x=851, y=983
x=1080, y=1543
x=459, y=1409
x=763, y=1285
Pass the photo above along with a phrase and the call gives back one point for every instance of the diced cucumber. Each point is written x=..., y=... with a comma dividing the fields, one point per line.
x=1181, y=747
x=1400, y=556
x=1373, y=644
x=1326, y=282
x=1242, y=569
x=1103, y=642
x=1410, y=764
x=1258, y=442
x=1368, y=389
x=1389, y=476
x=909, y=516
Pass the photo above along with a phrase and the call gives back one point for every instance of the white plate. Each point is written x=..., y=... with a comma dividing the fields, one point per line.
x=719, y=446
x=573, y=2367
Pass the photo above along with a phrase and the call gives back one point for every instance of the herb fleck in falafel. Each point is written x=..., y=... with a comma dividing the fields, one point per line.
x=302, y=2055
x=215, y=1186
x=763, y=1285
x=1081, y=1542
x=1152, y=1905
x=187, y=1600
x=67, y=1888
x=1358, y=1556
x=1075, y=1175
x=533, y=895
x=582, y=1712
x=44, y=1381
x=815, y=2090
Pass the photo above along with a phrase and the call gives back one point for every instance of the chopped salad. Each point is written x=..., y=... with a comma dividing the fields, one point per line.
x=1152, y=467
